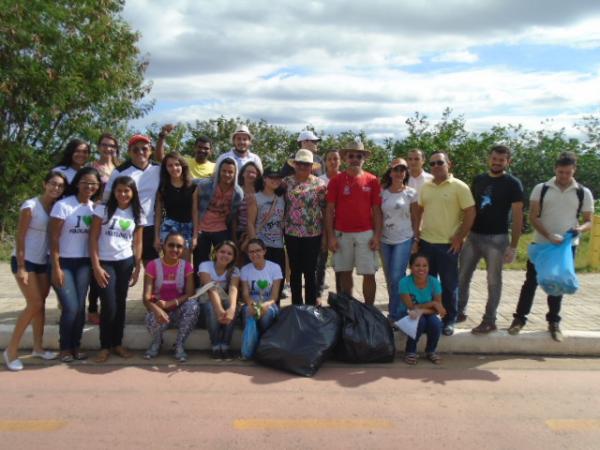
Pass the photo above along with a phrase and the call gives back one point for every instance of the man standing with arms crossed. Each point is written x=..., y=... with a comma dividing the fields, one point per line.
x=554, y=208
x=497, y=194
x=447, y=211
x=354, y=200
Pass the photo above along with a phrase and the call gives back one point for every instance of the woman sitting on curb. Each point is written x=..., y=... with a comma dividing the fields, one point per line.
x=168, y=284
x=422, y=297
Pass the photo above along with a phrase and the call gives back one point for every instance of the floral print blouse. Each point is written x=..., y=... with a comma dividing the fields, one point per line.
x=304, y=206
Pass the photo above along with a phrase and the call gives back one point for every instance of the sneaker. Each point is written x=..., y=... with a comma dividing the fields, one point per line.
x=180, y=354
x=461, y=317
x=45, y=355
x=448, y=330
x=216, y=354
x=153, y=350
x=515, y=326
x=285, y=292
x=555, y=332
x=226, y=355
x=484, y=328
x=15, y=365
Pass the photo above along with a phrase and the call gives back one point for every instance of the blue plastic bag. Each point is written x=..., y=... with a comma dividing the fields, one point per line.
x=249, y=338
x=555, y=266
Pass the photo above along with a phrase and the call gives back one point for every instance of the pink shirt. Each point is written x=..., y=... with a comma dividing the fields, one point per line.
x=168, y=290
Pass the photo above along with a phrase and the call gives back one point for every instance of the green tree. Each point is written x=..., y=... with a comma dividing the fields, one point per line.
x=67, y=68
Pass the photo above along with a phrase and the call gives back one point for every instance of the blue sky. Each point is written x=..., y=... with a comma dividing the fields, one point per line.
x=370, y=65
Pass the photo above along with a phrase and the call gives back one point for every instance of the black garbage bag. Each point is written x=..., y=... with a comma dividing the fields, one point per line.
x=367, y=336
x=300, y=339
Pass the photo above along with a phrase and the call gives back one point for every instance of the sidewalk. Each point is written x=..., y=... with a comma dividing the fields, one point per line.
x=580, y=324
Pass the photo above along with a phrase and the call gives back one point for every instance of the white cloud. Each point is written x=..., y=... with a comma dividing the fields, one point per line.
x=354, y=67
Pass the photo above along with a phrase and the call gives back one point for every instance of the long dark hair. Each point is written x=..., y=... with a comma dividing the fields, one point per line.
x=73, y=188
x=115, y=159
x=55, y=173
x=386, y=179
x=243, y=169
x=259, y=186
x=112, y=204
x=67, y=156
x=165, y=178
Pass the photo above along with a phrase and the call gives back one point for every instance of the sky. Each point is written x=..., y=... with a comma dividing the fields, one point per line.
x=370, y=65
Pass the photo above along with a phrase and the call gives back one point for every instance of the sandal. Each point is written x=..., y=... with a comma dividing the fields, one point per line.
x=66, y=357
x=434, y=358
x=410, y=359
x=121, y=351
x=103, y=356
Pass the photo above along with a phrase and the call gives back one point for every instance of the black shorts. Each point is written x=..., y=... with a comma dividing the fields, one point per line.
x=29, y=266
x=148, y=251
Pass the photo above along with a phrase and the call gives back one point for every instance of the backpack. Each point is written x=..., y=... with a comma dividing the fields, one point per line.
x=545, y=188
x=179, y=278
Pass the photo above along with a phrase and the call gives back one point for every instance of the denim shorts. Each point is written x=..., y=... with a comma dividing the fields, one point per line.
x=185, y=228
x=29, y=266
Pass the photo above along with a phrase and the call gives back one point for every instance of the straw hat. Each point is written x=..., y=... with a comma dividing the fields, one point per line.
x=355, y=146
x=242, y=129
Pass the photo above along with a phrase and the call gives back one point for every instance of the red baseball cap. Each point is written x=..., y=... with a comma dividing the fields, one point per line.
x=138, y=138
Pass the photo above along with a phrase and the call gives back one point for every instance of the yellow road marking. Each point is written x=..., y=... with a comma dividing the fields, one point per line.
x=309, y=424
x=31, y=425
x=573, y=425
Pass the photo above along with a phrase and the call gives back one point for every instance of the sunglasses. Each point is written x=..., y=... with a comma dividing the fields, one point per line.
x=400, y=168
x=439, y=162
x=175, y=246
x=355, y=156
x=141, y=149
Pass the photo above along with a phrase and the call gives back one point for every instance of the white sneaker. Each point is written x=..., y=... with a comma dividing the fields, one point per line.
x=45, y=355
x=14, y=365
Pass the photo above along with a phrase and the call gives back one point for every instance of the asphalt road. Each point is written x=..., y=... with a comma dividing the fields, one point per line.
x=468, y=402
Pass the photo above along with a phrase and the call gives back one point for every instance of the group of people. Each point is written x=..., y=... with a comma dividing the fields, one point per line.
x=237, y=230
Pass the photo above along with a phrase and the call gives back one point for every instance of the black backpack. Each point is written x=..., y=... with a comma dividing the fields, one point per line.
x=579, y=196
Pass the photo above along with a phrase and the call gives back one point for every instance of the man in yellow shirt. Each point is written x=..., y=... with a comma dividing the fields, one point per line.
x=200, y=166
x=447, y=212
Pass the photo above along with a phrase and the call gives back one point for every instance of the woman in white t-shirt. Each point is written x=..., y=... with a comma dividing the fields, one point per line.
x=222, y=304
x=260, y=286
x=70, y=221
x=75, y=156
x=116, y=256
x=29, y=265
x=399, y=208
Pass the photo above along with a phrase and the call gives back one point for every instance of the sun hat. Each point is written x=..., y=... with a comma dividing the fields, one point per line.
x=308, y=135
x=398, y=162
x=241, y=129
x=138, y=138
x=355, y=146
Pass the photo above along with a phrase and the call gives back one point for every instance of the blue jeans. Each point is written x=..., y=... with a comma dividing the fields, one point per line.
x=265, y=320
x=171, y=226
x=112, y=299
x=431, y=325
x=491, y=248
x=220, y=335
x=444, y=263
x=72, y=300
x=395, y=260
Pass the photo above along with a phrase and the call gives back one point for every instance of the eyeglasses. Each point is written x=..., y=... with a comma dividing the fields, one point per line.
x=175, y=246
x=355, y=156
x=439, y=162
x=400, y=168
x=303, y=164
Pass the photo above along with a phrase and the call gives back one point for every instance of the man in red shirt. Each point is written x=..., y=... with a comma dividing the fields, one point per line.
x=354, y=204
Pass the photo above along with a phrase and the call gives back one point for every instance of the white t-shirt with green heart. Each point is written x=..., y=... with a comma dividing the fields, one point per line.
x=77, y=217
x=116, y=234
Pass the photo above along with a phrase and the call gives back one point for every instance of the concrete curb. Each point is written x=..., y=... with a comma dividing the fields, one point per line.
x=576, y=343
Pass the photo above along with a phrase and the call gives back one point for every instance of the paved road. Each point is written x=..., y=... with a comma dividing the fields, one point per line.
x=467, y=403
x=581, y=312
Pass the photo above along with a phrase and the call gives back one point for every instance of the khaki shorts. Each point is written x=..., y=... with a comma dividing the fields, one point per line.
x=354, y=252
